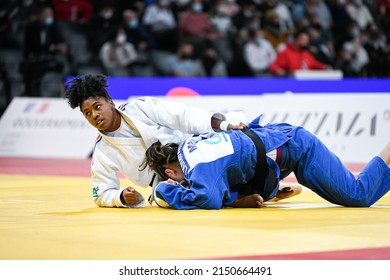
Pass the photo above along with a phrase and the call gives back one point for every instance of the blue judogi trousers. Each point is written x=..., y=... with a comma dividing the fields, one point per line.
x=317, y=168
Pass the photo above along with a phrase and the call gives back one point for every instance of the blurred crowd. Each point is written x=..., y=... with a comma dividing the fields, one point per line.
x=50, y=40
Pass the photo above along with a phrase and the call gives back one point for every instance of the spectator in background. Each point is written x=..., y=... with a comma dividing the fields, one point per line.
x=247, y=11
x=258, y=53
x=221, y=20
x=161, y=22
x=295, y=56
x=239, y=67
x=341, y=20
x=45, y=50
x=212, y=64
x=379, y=54
x=252, y=23
x=141, y=38
x=179, y=6
x=117, y=55
x=75, y=11
x=232, y=8
x=383, y=7
x=7, y=38
x=183, y=64
x=353, y=56
x=101, y=26
x=359, y=12
x=136, y=33
x=272, y=31
x=321, y=49
x=196, y=27
x=285, y=18
x=325, y=33
x=313, y=8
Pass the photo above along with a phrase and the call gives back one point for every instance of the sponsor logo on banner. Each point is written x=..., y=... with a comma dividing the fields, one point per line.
x=45, y=128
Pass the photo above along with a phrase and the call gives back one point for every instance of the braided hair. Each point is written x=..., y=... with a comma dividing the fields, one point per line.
x=82, y=88
x=157, y=156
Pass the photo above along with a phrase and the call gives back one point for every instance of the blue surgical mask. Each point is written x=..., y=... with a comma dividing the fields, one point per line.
x=133, y=23
x=254, y=26
x=49, y=21
x=197, y=7
x=355, y=32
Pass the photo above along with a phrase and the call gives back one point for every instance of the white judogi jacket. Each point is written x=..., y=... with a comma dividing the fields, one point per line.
x=152, y=119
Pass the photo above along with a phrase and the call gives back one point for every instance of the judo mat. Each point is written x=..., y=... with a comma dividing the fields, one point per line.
x=47, y=213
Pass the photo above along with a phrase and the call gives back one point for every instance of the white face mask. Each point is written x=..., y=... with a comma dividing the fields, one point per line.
x=121, y=38
x=259, y=39
x=165, y=2
x=107, y=14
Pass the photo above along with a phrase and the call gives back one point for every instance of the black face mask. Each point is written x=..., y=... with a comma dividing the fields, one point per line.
x=303, y=48
x=185, y=56
x=209, y=61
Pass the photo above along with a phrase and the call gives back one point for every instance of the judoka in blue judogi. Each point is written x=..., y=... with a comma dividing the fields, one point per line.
x=212, y=172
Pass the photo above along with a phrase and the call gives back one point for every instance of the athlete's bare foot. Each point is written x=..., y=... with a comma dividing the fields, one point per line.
x=385, y=154
x=287, y=192
x=248, y=201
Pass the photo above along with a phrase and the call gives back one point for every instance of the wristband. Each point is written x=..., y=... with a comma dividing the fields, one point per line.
x=223, y=125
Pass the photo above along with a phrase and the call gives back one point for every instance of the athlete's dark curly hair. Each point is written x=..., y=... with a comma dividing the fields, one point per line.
x=157, y=156
x=82, y=88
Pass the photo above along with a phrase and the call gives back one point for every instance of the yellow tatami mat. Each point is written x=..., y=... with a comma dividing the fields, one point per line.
x=45, y=218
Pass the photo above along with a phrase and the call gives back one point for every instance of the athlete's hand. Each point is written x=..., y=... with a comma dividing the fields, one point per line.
x=248, y=201
x=130, y=196
x=286, y=192
x=241, y=126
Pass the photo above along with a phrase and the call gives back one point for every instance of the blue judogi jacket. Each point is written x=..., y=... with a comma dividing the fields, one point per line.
x=212, y=165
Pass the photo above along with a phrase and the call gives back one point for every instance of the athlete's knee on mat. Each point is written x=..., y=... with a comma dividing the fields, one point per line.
x=359, y=202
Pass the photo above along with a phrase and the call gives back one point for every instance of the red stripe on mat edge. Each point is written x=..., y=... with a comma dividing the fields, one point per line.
x=355, y=254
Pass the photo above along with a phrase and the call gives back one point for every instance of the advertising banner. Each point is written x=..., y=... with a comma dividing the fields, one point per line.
x=45, y=128
x=354, y=126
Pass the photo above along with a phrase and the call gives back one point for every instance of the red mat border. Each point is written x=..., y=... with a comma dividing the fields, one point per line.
x=382, y=253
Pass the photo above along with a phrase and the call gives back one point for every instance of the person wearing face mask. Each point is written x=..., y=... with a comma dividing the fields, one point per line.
x=295, y=56
x=196, y=27
x=258, y=53
x=247, y=11
x=142, y=40
x=44, y=50
x=160, y=20
x=353, y=57
x=359, y=12
x=136, y=33
x=272, y=30
x=102, y=23
x=183, y=64
x=117, y=55
x=212, y=64
x=378, y=51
